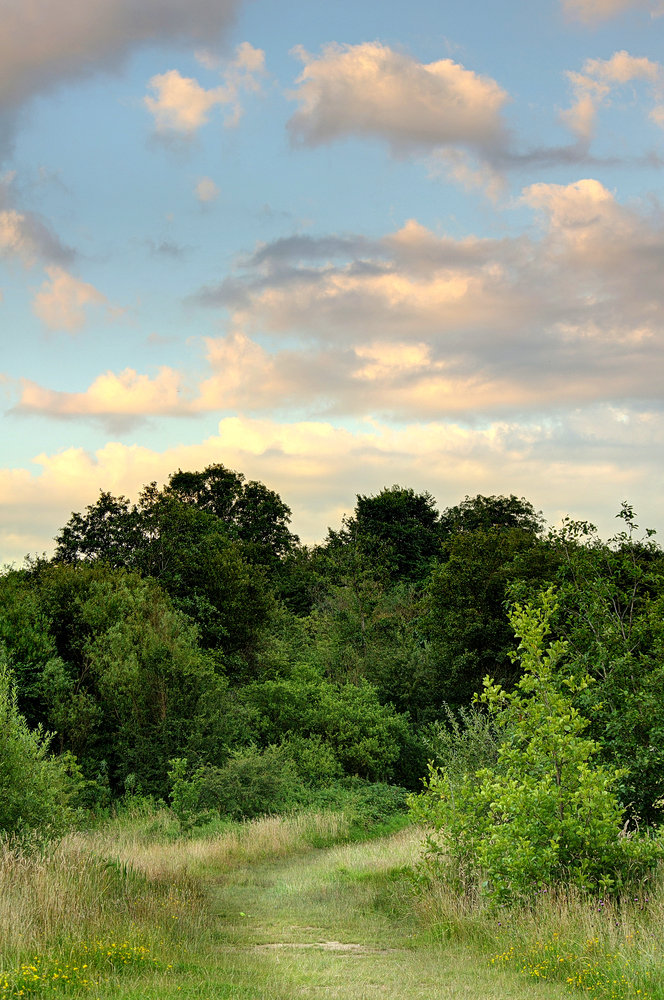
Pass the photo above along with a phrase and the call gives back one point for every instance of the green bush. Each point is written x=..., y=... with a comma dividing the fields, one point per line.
x=36, y=789
x=546, y=812
x=251, y=783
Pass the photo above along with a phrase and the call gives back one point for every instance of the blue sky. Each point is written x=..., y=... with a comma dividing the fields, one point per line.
x=335, y=247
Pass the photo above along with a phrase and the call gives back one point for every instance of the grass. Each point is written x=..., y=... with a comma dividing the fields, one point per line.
x=295, y=906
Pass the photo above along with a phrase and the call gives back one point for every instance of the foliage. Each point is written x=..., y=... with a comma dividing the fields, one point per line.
x=36, y=789
x=547, y=812
x=612, y=614
x=251, y=783
x=124, y=685
x=464, y=607
x=176, y=536
x=482, y=513
x=367, y=738
x=463, y=743
x=398, y=529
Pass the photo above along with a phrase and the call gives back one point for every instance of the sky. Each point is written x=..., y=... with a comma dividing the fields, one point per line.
x=335, y=247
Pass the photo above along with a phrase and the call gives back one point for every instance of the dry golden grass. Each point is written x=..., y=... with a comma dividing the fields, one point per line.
x=239, y=844
x=115, y=881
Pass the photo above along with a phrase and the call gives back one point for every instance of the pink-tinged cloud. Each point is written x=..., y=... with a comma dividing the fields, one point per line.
x=181, y=106
x=63, y=300
x=369, y=90
x=206, y=190
x=599, y=77
x=43, y=43
x=26, y=238
x=417, y=326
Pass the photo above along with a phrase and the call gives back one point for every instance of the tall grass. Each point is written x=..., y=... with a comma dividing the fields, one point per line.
x=603, y=948
x=128, y=896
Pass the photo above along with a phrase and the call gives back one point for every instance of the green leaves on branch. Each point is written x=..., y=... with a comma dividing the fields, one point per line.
x=546, y=812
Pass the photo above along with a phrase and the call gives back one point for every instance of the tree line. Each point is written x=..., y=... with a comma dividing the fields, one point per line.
x=187, y=644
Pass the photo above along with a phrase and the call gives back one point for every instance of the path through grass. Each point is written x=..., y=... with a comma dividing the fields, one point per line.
x=326, y=924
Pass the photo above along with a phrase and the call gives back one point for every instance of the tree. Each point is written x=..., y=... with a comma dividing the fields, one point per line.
x=611, y=613
x=211, y=573
x=251, y=513
x=36, y=788
x=397, y=530
x=482, y=513
x=118, y=675
x=546, y=812
x=465, y=620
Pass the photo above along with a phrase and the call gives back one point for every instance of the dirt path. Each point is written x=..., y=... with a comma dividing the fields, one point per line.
x=321, y=925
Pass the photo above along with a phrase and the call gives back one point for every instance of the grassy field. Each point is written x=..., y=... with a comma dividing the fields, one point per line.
x=282, y=908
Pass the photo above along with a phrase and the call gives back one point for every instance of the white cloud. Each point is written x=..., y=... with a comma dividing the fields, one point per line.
x=181, y=106
x=206, y=190
x=371, y=90
x=62, y=301
x=512, y=323
x=419, y=326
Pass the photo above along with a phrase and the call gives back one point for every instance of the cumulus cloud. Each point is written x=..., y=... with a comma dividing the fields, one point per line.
x=420, y=326
x=180, y=105
x=594, y=11
x=573, y=313
x=599, y=77
x=371, y=90
x=43, y=44
x=62, y=300
x=318, y=467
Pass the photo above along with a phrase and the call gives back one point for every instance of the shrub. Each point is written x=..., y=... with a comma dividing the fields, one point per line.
x=546, y=812
x=251, y=783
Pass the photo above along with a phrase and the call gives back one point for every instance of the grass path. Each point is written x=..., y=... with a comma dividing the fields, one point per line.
x=324, y=925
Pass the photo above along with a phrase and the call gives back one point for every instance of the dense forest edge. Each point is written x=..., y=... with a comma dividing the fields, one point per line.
x=184, y=674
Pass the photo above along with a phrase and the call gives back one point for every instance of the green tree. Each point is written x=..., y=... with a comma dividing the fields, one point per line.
x=36, y=789
x=396, y=530
x=612, y=613
x=196, y=556
x=547, y=812
x=480, y=513
x=465, y=619
x=118, y=675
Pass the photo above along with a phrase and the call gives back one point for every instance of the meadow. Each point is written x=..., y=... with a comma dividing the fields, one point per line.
x=297, y=906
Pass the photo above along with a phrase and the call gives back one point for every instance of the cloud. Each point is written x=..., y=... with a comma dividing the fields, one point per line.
x=206, y=190
x=28, y=239
x=594, y=11
x=116, y=400
x=62, y=300
x=599, y=77
x=180, y=106
x=318, y=467
x=43, y=44
x=371, y=90
x=572, y=314
x=417, y=326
